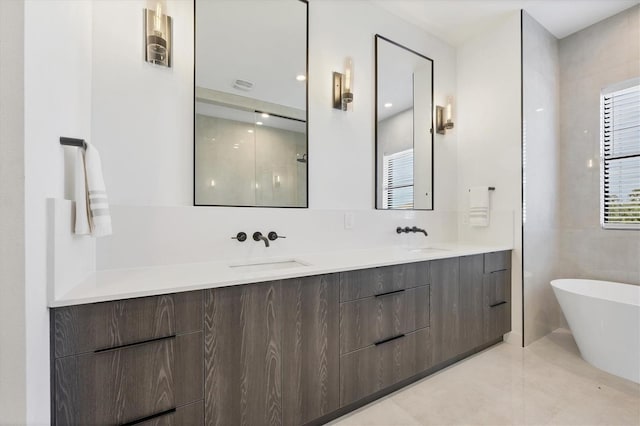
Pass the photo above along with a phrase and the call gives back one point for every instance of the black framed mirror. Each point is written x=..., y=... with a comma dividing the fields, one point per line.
x=250, y=103
x=404, y=127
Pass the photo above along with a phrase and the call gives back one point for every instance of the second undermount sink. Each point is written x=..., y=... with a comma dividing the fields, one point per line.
x=427, y=250
x=268, y=266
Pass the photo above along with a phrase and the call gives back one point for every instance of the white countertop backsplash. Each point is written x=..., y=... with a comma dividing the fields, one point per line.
x=159, y=250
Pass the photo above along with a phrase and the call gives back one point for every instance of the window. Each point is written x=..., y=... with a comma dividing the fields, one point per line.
x=620, y=156
x=397, y=180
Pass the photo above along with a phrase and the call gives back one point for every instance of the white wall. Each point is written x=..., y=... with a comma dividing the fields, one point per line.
x=57, y=99
x=596, y=57
x=12, y=255
x=489, y=140
x=541, y=152
x=142, y=115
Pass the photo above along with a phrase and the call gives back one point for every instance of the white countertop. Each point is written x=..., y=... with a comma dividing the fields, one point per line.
x=117, y=284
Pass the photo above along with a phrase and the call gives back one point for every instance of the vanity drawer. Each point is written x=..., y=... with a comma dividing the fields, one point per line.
x=370, y=282
x=496, y=294
x=188, y=415
x=376, y=367
x=366, y=321
x=497, y=261
x=117, y=386
x=86, y=328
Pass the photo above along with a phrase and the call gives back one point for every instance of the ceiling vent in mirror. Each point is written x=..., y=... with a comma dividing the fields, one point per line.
x=243, y=85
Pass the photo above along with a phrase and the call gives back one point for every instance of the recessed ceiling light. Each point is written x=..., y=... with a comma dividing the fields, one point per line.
x=301, y=77
x=265, y=115
x=388, y=105
x=250, y=130
x=540, y=110
x=259, y=123
x=236, y=147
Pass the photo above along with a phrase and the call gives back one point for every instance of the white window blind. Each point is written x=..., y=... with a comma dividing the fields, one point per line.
x=620, y=156
x=397, y=180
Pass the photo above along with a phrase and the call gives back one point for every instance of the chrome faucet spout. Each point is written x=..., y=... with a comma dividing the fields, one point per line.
x=257, y=236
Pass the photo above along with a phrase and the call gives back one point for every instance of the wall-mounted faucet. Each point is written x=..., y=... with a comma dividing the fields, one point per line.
x=414, y=229
x=257, y=236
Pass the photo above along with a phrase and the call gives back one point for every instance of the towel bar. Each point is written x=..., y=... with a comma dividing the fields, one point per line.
x=80, y=143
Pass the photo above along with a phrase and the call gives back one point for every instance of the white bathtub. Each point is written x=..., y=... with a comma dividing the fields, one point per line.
x=604, y=318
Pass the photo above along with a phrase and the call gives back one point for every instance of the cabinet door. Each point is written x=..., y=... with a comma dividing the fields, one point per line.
x=116, y=386
x=369, y=320
x=497, y=304
x=243, y=355
x=368, y=370
x=310, y=340
x=370, y=282
x=471, y=304
x=445, y=309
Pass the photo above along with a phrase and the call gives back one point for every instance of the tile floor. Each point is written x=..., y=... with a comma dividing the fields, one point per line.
x=546, y=383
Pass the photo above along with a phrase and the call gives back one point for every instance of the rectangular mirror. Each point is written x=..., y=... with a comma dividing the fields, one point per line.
x=250, y=125
x=404, y=127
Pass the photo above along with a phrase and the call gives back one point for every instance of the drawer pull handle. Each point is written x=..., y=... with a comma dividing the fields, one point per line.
x=388, y=340
x=171, y=336
x=497, y=304
x=389, y=292
x=153, y=416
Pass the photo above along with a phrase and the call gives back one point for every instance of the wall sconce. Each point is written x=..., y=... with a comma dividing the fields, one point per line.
x=443, y=117
x=157, y=37
x=342, y=84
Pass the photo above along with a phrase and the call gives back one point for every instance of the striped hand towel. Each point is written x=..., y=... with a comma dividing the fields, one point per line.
x=479, y=206
x=92, y=208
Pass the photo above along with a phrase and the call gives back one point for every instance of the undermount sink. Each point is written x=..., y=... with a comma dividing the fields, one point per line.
x=427, y=250
x=267, y=266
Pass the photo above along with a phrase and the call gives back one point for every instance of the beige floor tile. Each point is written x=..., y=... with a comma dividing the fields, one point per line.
x=546, y=383
x=383, y=412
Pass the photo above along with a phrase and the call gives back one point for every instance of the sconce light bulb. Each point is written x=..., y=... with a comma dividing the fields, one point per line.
x=157, y=21
x=213, y=183
x=259, y=123
x=348, y=75
x=265, y=115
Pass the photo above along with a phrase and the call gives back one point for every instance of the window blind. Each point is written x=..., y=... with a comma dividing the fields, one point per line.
x=620, y=156
x=397, y=180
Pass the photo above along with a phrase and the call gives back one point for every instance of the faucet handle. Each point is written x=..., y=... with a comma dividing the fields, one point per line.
x=241, y=236
x=274, y=236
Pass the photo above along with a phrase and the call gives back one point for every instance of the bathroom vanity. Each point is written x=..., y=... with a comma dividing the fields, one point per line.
x=288, y=351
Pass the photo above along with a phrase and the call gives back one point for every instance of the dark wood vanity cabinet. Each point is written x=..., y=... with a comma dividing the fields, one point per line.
x=496, y=295
x=271, y=352
x=384, y=328
x=471, y=303
x=286, y=352
x=243, y=355
x=311, y=358
x=128, y=361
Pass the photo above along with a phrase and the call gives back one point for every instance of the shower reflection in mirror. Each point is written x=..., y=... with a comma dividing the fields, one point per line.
x=250, y=135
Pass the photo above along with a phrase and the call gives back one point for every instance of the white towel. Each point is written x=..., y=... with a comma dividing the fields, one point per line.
x=479, y=206
x=92, y=196
x=83, y=227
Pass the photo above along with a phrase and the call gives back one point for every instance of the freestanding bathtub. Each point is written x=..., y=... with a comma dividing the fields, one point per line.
x=604, y=318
